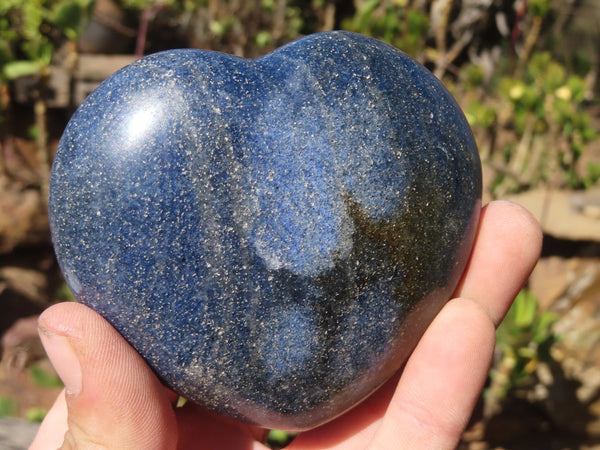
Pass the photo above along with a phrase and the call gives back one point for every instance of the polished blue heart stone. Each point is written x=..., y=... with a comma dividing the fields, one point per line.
x=274, y=235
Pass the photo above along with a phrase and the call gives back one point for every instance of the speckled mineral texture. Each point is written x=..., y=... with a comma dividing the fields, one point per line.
x=272, y=235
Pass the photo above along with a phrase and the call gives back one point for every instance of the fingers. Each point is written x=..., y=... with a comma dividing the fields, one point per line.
x=441, y=381
x=52, y=431
x=112, y=399
x=354, y=429
x=506, y=249
x=197, y=424
x=445, y=374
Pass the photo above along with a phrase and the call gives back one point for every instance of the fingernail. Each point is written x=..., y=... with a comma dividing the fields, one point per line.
x=63, y=358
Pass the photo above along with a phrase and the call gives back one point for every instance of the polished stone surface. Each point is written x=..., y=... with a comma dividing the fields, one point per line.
x=272, y=235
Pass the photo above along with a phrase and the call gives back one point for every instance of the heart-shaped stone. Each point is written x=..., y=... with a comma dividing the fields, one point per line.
x=273, y=235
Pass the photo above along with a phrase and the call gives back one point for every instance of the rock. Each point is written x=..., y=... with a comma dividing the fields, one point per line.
x=567, y=391
x=573, y=215
x=558, y=283
x=573, y=401
x=273, y=235
x=16, y=434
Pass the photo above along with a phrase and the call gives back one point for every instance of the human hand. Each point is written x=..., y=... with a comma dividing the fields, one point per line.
x=112, y=399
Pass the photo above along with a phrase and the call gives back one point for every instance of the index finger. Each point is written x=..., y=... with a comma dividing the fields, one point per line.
x=506, y=249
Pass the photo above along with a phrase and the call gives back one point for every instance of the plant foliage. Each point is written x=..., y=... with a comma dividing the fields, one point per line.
x=523, y=341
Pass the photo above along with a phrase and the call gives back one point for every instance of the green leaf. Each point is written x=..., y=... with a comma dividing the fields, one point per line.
x=17, y=69
x=279, y=438
x=33, y=13
x=36, y=414
x=539, y=8
x=473, y=75
x=418, y=24
x=593, y=173
x=525, y=309
x=8, y=406
x=263, y=38
x=64, y=293
x=543, y=329
x=43, y=378
x=267, y=5
x=67, y=17
x=39, y=50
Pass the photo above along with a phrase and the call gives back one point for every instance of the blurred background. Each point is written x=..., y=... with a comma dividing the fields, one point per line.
x=524, y=71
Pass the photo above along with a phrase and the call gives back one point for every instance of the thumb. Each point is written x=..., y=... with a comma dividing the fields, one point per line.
x=112, y=399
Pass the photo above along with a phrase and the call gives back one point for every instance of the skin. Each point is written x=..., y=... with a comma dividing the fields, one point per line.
x=113, y=400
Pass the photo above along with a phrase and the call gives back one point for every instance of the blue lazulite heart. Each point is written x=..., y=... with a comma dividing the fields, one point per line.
x=273, y=235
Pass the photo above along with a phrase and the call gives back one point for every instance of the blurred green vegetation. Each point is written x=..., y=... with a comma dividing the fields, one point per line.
x=8, y=406
x=43, y=378
x=279, y=439
x=543, y=114
x=31, y=30
x=63, y=293
x=526, y=98
x=35, y=414
x=523, y=341
x=394, y=22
